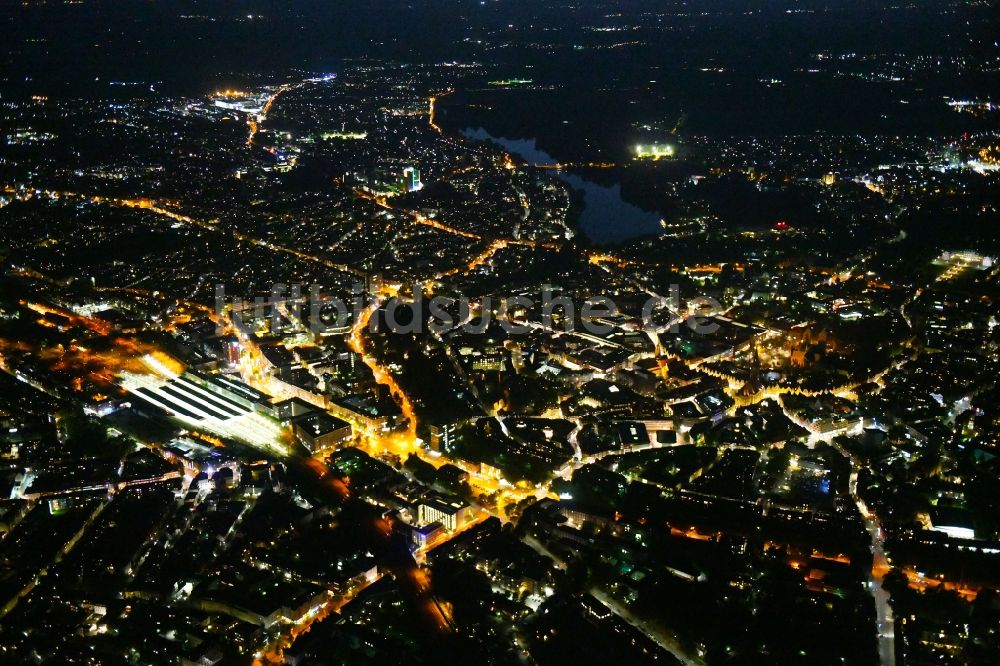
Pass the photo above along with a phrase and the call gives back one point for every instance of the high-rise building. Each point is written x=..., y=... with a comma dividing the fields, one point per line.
x=443, y=436
x=411, y=179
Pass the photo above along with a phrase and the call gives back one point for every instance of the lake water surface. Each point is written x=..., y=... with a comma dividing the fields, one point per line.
x=606, y=219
